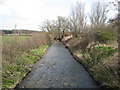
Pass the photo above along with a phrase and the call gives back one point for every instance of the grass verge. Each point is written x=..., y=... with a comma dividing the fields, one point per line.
x=101, y=61
x=15, y=71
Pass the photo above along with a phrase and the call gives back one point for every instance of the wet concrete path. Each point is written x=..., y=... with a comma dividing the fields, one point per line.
x=58, y=69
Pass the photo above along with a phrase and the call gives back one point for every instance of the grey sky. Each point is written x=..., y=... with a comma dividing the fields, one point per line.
x=28, y=14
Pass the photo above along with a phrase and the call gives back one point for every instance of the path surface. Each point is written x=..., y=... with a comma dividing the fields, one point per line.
x=58, y=69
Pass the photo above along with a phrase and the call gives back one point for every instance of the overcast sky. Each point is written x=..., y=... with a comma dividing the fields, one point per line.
x=28, y=14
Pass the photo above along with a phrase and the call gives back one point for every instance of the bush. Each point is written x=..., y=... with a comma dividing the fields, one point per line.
x=98, y=53
x=19, y=54
x=105, y=35
x=106, y=71
x=102, y=63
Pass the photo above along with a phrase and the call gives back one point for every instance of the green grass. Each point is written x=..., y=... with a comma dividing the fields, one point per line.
x=105, y=36
x=77, y=39
x=97, y=54
x=19, y=34
x=97, y=62
x=39, y=51
x=14, y=37
x=105, y=51
x=14, y=72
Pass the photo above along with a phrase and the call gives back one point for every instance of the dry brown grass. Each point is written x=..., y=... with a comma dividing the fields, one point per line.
x=40, y=39
x=106, y=72
x=103, y=68
x=78, y=44
x=13, y=48
x=16, y=46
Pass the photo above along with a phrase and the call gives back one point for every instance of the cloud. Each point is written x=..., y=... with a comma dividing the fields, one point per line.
x=30, y=13
x=33, y=11
x=5, y=10
x=2, y=2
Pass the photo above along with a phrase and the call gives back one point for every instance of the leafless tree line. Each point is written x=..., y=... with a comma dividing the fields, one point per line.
x=77, y=21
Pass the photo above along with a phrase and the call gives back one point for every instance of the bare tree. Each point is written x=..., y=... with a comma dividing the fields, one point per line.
x=98, y=13
x=46, y=26
x=115, y=21
x=74, y=23
x=80, y=7
x=56, y=28
x=62, y=25
x=78, y=18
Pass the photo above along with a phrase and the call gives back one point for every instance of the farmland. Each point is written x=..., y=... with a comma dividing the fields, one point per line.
x=19, y=53
x=10, y=38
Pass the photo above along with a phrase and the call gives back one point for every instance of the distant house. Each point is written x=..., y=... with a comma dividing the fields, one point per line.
x=67, y=36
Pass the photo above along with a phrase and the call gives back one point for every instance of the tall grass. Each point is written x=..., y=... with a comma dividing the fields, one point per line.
x=101, y=60
x=18, y=55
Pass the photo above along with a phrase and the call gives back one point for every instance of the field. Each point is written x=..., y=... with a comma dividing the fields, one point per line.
x=19, y=34
x=19, y=53
x=9, y=38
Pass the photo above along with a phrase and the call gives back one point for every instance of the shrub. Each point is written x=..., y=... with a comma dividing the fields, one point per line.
x=98, y=53
x=102, y=63
x=18, y=57
x=106, y=75
x=105, y=35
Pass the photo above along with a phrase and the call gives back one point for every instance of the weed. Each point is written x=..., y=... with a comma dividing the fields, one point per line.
x=106, y=75
x=19, y=54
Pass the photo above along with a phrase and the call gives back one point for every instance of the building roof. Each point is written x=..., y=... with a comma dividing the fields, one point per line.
x=67, y=33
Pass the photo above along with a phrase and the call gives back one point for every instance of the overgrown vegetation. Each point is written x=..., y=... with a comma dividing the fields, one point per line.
x=101, y=60
x=95, y=45
x=104, y=36
x=98, y=63
x=96, y=55
x=19, y=54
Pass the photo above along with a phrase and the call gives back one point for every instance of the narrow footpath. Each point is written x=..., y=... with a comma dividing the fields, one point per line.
x=58, y=69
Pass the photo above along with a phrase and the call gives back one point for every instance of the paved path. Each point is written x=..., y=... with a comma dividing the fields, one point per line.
x=58, y=69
